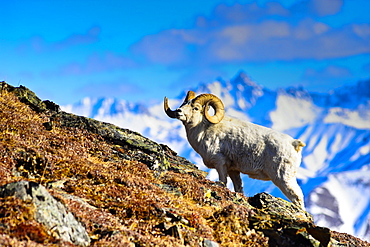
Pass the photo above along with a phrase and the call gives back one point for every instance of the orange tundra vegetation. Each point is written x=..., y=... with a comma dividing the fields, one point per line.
x=127, y=190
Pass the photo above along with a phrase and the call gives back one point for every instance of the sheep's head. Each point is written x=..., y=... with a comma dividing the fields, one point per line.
x=194, y=109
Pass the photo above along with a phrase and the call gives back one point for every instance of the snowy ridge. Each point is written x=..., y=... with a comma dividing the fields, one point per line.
x=335, y=170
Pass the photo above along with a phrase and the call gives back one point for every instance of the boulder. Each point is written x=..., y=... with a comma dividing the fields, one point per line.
x=49, y=212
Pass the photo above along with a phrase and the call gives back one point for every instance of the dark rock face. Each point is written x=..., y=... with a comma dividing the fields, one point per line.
x=277, y=206
x=49, y=212
x=302, y=232
x=109, y=186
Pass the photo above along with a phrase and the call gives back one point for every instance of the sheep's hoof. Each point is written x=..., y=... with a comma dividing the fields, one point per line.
x=220, y=183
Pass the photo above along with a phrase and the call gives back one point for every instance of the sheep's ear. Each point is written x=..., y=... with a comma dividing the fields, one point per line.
x=189, y=96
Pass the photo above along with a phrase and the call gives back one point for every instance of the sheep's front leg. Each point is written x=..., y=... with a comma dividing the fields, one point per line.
x=222, y=173
x=237, y=181
x=291, y=189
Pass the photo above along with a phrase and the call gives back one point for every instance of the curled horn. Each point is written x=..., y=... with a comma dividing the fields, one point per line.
x=172, y=114
x=169, y=112
x=215, y=103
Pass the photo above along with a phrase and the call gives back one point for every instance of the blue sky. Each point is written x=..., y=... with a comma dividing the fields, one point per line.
x=140, y=50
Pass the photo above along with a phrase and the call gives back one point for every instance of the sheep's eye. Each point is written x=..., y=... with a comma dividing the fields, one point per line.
x=196, y=109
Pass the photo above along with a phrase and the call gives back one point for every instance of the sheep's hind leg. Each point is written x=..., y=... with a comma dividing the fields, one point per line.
x=237, y=181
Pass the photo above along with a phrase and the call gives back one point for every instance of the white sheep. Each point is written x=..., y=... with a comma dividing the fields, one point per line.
x=232, y=146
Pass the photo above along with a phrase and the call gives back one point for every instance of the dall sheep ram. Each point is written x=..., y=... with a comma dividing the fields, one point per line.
x=232, y=146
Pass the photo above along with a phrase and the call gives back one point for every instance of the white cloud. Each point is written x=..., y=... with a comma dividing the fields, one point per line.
x=362, y=30
x=328, y=72
x=38, y=44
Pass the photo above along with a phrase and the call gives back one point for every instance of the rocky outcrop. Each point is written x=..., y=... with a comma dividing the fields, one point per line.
x=68, y=180
x=49, y=212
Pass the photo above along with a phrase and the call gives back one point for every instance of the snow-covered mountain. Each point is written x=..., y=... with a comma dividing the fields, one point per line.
x=335, y=170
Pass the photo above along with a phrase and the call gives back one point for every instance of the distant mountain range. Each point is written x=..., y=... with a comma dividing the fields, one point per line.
x=335, y=171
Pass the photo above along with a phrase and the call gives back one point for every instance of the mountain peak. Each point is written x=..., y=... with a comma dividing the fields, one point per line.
x=244, y=79
x=349, y=97
x=297, y=92
x=95, y=107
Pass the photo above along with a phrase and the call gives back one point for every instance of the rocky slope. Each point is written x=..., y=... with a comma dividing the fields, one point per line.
x=67, y=180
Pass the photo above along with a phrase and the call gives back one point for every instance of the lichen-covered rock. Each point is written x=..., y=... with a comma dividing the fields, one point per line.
x=279, y=207
x=285, y=224
x=25, y=95
x=49, y=212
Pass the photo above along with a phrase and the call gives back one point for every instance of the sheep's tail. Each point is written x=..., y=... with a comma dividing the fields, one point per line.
x=298, y=144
